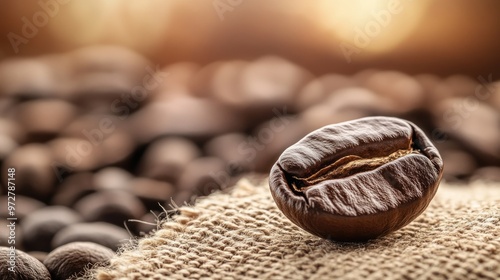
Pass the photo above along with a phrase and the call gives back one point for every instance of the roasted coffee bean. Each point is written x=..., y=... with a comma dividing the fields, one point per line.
x=236, y=150
x=204, y=119
x=392, y=84
x=34, y=170
x=11, y=129
x=73, y=258
x=75, y=154
x=44, y=119
x=317, y=90
x=204, y=175
x=166, y=158
x=112, y=178
x=24, y=206
x=40, y=226
x=7, y=145
x=357, y=180
x=26, y=78
x=465, y=119
x=24, y=266
x=152, y=193
x=114, y=207
x=73, y=188
x=487, y=173
x=104, y=234
x=459, y=164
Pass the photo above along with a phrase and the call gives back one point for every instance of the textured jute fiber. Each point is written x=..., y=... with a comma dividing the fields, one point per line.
x=242, y=235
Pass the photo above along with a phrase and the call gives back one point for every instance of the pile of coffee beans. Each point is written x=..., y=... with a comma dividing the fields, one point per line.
x=103, y=141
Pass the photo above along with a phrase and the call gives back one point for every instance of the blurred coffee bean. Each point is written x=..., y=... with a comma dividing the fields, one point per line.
x=116, y=148
x=317, y=90
x=491, y=94
x=109, y=60
x=10, y=236
x=93, y=127
x=41, y=226
x=41, y=256
x=270, y=139
x=73, y=258
x=43, y=119
x=487, y=174
x=224, y=85
x=204, y=175
x=24, y=206
x=26, y=78
x=7, y=145
x=272, y=81
x=232, y=149
x=357, y=98
x=114, y=207
x=323, y=114
x=11, y=129
x=177, y=83
x=462, y=86
x=152, y=193
x=25, y=266
x=112, y=178
x=204, y=119
x=75, y=154
x=201, y=83
x=166, y=158
x=404, y=90
x=104, y=234
x=73, y=188
x=35, y=176
x=475, y=124
x=459, y=164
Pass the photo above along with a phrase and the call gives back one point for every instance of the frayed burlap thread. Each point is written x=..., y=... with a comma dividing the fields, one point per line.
x=242, y=235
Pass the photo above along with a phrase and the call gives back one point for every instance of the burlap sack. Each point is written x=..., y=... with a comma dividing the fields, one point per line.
x=243, y=235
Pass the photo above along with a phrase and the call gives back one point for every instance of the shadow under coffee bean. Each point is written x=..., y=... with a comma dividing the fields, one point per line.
x=357, y=180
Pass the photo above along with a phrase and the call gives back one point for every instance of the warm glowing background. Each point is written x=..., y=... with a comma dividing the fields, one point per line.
x=442, y=37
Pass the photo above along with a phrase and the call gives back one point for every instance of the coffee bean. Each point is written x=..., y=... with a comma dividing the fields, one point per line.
x=40, y=226
x=7, y=145
x=357, y=180
x=459, y=164
x=114, y=207
x=26, y=78
x=166, y=158
x=73, y=188
x=104, y=234
x=204, y=175
x=235, y=150
x=316, y=90
x=112, y=178
x=177, y=84
x=34, y=170
x=74, y=154
x=391, y=84
x=73, y=258
x=24, y=206
x=152, y=193
x=43, y=119
x=11, y=129
x=270, y=139
x=272, y=81
x=465, y=119
x=25, y=266
x=204, y=119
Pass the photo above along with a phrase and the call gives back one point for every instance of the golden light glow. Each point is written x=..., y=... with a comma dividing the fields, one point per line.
x=372, y=26
x=138, y=24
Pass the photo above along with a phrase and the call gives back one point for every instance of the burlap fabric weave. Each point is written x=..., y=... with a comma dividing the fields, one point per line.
x=242, y=235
